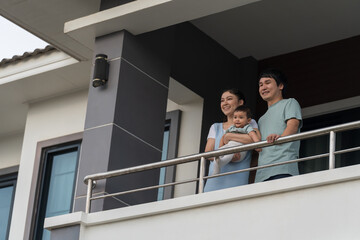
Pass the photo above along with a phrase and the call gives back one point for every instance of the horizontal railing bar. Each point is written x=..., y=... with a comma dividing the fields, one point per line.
x=282, y=163
x=269, y=165
x=145, y=188
x=347, y=150
x=220, y=152
x=213, y=176
x=224, y=174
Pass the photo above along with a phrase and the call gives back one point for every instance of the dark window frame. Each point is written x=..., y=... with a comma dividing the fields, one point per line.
x=8, y=177
x=173, y=122
x=44, y=183
x=38, y=166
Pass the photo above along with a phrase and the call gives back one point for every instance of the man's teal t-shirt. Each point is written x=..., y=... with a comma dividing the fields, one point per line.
x=274, y=121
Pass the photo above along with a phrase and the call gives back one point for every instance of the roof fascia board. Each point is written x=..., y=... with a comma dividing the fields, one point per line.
x=33, y=66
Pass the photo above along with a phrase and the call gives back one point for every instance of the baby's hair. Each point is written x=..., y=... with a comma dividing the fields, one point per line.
x=245, y=109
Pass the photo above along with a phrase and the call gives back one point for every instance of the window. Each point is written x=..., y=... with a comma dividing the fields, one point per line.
x=56, y=185
x=169, y=151
x=319, y=145
x=7, y=192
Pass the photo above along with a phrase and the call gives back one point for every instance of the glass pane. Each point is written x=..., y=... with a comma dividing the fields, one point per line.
x=318, y=145
x=61, y=186
x=163, y=157
x=311, y=147
x=6, y=194
x=346, y=140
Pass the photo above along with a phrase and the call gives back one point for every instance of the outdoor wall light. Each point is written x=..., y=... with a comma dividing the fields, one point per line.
x=101, y=70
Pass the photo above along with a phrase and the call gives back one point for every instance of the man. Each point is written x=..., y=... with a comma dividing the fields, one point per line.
x=282, y=118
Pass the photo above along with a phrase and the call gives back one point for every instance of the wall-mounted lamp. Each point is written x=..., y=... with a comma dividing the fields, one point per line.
x=101, y=70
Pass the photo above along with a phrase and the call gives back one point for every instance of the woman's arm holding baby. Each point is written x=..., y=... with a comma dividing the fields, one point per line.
x=242, y=138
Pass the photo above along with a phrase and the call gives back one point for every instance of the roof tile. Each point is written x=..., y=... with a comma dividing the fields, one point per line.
x=36, y=52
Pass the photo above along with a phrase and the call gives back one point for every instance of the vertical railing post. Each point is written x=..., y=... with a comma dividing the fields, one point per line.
x=202, y=174
x=332, y=144
x=88, y=195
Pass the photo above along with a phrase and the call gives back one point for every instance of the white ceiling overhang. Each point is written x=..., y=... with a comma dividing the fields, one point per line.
x=144, y=16
x=34, y=79
x=245, y=27
x=255, y=28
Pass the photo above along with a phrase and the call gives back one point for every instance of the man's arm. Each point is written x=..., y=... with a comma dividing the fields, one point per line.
x=256, y=137
x=257, y=133
x=292, y=126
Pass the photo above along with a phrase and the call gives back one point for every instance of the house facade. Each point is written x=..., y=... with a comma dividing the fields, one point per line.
x=168, y=61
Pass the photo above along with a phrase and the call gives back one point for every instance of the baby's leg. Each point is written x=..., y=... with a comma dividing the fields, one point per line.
x=223, y=160
x=216, y=166
x=241, y=156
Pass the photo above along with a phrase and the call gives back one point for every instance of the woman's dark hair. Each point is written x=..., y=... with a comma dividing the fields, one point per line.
x=277, y=75
x=236, y=92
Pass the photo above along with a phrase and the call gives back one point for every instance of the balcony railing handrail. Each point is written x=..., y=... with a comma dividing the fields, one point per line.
x=220, y=152
x=202, y=156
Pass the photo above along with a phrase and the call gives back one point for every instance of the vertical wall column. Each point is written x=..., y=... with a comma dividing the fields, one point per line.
x=125, y=118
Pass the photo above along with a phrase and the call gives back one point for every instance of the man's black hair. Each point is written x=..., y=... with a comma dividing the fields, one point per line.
x=277, y=75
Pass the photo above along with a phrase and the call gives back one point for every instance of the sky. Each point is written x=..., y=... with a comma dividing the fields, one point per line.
x=16, y=40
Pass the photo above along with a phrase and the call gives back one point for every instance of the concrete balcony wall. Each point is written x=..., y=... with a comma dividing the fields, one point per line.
x=321, y=205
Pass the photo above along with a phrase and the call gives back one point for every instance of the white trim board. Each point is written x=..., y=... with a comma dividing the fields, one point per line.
x=36, y=65
x=331, y=107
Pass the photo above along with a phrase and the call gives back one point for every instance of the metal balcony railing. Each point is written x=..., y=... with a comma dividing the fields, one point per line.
x=90, y=180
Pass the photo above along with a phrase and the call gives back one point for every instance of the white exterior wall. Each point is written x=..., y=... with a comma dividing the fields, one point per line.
x=189, y=143
x=45, y=120
x=321, y=205
x=10, y=150
x=191, y=106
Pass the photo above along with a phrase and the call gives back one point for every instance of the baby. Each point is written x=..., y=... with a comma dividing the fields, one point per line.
x=241, y=120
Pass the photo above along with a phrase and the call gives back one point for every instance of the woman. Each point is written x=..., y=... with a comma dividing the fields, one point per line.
x=230, y=100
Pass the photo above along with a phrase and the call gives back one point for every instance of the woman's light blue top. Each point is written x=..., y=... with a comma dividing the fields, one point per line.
x=232, y=180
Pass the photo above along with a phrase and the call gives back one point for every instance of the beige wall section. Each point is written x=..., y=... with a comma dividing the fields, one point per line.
x=191, y=106
x=45, y=120
x=10, y=150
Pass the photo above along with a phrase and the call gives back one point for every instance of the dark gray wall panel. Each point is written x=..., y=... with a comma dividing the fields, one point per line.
x=141, y=102
x=96, y=205
x=101, y=109
x=207, y=68
x=124, y=124
x=106, y=4
x=151, y=52
x=94, y=157
x=129, y=151
x=68, y=233
x=111, y=44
